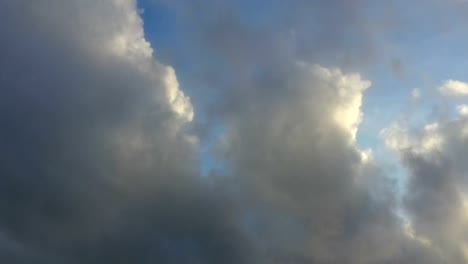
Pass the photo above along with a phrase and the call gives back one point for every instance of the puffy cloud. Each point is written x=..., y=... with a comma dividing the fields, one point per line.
x=99, y=162
x=310, y=195
x=454, y=88
x=349, y=91
x=437, y=185
x=96, y=161
x=398, y=138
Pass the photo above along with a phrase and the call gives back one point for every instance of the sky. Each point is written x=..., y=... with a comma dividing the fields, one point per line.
x=233, y=131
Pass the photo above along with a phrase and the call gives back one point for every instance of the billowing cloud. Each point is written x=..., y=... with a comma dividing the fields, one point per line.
x=310, y=193
x=96, y=164
x=437, y=190
x=305, y=180
x=454, y=88
x=100, y=147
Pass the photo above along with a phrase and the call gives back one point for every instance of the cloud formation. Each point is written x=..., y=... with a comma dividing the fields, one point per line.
x=454, y=88
x=100, y=147
x=96, y=164
x=305, y=181
x=436, y=200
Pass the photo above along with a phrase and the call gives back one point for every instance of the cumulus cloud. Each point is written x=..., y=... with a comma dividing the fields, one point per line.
x=96, y=162
x=349, y=92
x=398, y=138
x=99, y=145
x=437, y=190
x=305, y=179
x=454, y=88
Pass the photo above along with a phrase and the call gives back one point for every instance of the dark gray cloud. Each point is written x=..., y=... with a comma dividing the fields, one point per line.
x=96, y=164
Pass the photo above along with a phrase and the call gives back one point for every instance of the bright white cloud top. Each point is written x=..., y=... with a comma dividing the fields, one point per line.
x=454, y=88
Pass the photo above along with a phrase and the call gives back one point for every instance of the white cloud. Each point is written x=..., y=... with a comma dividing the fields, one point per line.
x=454, y=88
x=462, y=110
x=349, y=92
x=398, y=138
x=345, y=92
x=416, y=94
x=179, y=102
